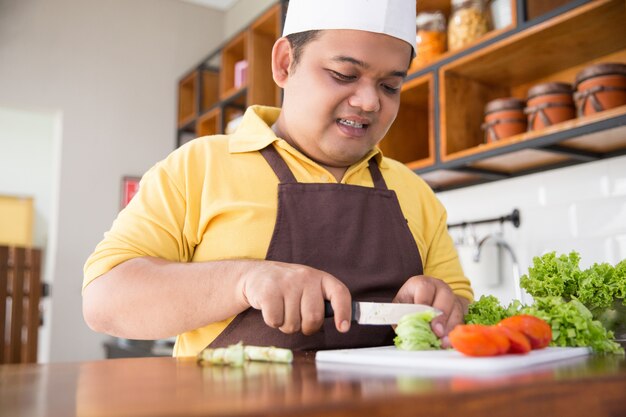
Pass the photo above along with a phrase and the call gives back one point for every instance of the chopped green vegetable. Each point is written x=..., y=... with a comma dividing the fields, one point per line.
x=232, y=355
x=414, y=333
x=236, y=355
x=486, y=310
x=573, y=325
x=268, y=354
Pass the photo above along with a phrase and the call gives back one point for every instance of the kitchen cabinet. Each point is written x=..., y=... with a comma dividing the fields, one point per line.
x=437, y=132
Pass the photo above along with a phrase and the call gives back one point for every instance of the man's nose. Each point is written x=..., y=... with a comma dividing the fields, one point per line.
x=366, y=98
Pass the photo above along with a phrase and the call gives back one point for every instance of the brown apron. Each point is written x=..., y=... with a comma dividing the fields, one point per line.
x=357, y=234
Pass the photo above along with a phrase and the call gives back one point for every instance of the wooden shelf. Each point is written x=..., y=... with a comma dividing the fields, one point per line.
x=574, y=141
x=186, y=99
x=444, y=7
x=263, y=33
x=551, y=51
x=210, y=89
x=206, y=104
x=209, y=123
x=193, y=92
x=538, y=8
x=446, y=179
x=232, y=53
x=411, y=138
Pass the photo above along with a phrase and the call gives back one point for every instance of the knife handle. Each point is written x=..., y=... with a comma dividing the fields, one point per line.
x=329, y=312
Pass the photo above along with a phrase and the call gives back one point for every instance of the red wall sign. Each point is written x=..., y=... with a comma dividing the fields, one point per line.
x=130, y=186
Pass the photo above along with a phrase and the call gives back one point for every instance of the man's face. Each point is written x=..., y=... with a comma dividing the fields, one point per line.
x=343, y=95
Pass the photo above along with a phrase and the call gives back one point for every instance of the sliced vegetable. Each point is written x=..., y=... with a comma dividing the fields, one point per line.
x=268, y=354
x=517, y=334
x=237, y=355
x=479, y=340
x=535, y=329
x=518, y=341
x=232, y=355
x=414, y=333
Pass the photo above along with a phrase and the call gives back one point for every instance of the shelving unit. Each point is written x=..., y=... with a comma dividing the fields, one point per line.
x=549, y=47
x=207, y=103
x=411, y=138
x=437, y=132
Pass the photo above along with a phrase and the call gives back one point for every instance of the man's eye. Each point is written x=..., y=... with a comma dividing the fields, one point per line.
x=390, y=89
x=342, y=77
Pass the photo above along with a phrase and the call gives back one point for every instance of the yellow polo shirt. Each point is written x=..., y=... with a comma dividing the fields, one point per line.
x=215, y=198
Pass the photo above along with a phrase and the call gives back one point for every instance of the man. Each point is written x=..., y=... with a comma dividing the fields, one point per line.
x=243, y=237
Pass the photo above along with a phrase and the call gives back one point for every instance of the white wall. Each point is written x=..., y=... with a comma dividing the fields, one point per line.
x=580, y=208
x=242, y=13
x=111, y=69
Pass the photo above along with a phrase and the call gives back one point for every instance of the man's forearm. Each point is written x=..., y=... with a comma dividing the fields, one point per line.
x=149, y=298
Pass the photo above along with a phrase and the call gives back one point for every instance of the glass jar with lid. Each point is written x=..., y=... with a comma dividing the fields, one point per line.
x=431, y=37
x=469, y=21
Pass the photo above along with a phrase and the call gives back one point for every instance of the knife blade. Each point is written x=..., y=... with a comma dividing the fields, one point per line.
x=365, y=312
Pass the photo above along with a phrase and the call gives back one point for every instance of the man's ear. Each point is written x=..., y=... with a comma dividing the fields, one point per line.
x=281, y=61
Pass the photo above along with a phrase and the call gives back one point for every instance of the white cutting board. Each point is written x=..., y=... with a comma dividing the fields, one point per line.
x=446, y=361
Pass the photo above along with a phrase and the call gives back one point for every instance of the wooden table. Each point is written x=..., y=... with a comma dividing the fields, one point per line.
x=589, y=387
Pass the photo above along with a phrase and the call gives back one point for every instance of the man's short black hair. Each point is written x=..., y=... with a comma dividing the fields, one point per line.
x=298, y=42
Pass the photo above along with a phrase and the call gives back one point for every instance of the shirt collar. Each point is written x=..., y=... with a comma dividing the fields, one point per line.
x=255, y=133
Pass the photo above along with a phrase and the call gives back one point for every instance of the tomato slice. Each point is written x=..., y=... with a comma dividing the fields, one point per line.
x=478, y=340
x=519, y=343
x=499, y=338
x=538, y=331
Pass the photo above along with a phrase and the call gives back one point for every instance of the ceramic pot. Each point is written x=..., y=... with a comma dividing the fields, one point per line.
x=600, y=87
x=549, y=104
x=504, y=117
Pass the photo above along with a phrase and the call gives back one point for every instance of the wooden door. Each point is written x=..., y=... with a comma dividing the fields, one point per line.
x=20, y=293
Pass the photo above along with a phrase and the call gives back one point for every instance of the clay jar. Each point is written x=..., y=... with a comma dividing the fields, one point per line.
x=548, y=104
x=600, y=87
x=504, y=117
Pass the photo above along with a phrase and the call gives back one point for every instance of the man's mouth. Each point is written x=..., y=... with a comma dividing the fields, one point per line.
x=352, y=123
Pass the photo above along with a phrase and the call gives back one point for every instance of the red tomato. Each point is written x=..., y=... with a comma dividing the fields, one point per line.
x=518, y=341
x=537, y=331
x=500, y=339
x=478, y=340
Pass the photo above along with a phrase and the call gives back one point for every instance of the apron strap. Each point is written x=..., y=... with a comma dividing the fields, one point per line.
x=278, y=164
x=285, y=176
x=377, y=176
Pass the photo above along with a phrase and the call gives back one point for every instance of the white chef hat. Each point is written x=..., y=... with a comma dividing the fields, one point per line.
x=391, y=17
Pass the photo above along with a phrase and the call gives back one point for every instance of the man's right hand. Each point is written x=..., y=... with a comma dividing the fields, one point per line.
x=291, y=297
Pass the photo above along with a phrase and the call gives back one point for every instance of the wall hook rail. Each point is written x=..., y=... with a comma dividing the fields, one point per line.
x=513, y=217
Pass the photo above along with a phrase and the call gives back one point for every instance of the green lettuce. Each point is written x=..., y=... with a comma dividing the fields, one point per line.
x=414, y=333
x=598, y=286
x=620, y=277
x=573, y=324
x=486, y=310
x=601, y=287
x=552, y=275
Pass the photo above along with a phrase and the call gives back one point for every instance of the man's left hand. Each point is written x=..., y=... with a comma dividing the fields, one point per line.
x=422, y=289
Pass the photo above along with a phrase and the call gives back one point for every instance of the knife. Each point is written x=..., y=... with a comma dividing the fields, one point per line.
x=365, y=312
